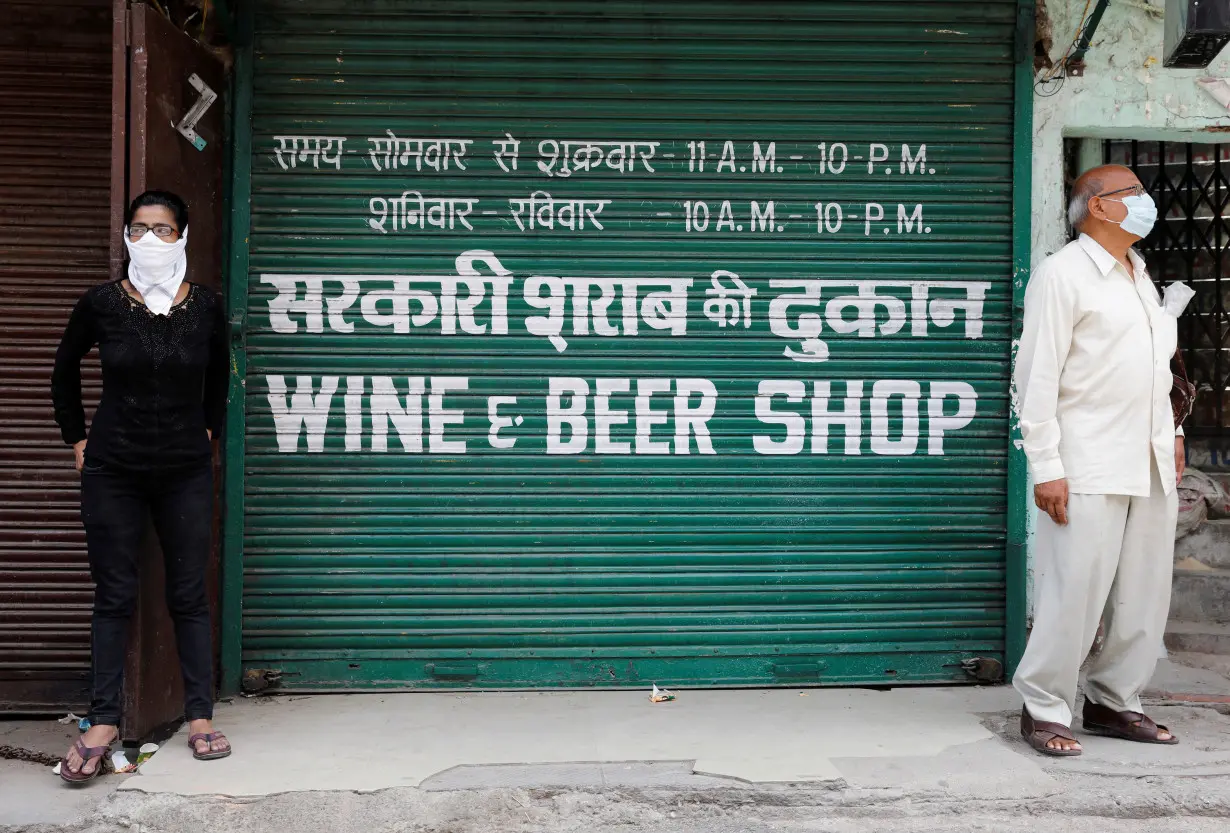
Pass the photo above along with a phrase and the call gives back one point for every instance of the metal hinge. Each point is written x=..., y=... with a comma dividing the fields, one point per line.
x=238, y=331
x=187, y=125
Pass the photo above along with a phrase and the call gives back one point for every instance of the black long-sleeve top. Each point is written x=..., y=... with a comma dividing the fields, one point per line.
x=164, y=378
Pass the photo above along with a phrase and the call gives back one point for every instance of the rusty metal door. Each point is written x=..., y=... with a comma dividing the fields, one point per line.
x=55, y=153
x=162, y=63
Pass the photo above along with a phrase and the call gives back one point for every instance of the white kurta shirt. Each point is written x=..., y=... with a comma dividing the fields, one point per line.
x=1093, y=374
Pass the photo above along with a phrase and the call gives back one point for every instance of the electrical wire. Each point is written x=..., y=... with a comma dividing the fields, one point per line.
x=1058, y=73
x=1053, y=80
x=1080, y=31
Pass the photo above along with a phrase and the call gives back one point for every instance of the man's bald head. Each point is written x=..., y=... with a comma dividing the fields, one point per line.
x=1102, y=180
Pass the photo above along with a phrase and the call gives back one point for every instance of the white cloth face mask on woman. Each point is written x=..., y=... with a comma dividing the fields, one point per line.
x=157, y=268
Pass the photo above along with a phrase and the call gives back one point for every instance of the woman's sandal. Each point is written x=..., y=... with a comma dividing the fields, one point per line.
x=87, y=754
x=1133, y=726
x=209, y=738
x=1038, y=733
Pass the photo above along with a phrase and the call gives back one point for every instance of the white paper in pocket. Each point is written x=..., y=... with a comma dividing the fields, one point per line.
x=1176, y=298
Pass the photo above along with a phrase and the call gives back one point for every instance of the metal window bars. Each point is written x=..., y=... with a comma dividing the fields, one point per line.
x=1191, y=243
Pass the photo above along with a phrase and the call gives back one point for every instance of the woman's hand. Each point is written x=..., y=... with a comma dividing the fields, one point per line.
x=79, y=451
x=1180, y=457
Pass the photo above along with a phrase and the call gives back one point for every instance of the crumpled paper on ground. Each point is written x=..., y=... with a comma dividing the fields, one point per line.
x=120, y=763
x=660, y=695
x=83, y=723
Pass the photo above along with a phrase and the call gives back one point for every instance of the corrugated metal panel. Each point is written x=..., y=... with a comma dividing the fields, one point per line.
x=55, y=156
x=505, y=566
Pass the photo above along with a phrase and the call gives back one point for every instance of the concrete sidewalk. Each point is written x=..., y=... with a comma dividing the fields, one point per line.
x=373, y=742
x=834, y=748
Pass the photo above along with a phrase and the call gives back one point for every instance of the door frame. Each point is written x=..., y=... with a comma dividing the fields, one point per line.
x=235, y=261
x=1017, y=603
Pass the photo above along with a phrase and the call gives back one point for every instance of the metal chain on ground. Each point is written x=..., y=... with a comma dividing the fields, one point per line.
x=16, y=753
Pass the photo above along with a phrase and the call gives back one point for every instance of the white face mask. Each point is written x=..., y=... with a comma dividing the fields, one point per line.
x=1141, y=214
x=157, y=268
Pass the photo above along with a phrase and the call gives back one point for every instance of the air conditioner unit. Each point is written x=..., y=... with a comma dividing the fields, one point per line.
x=1196, y=30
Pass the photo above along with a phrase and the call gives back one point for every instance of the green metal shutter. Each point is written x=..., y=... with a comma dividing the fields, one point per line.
x=377, y=553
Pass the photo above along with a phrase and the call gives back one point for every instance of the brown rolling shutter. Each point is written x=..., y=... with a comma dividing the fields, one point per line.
x=55, y=179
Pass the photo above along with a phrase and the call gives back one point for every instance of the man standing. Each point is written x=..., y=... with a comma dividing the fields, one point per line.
x=1093, y=380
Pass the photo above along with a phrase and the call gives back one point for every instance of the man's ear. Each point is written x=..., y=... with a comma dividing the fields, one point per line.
x=1096, y=209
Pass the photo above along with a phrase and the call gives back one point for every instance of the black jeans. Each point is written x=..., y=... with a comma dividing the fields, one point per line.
x=115, y=506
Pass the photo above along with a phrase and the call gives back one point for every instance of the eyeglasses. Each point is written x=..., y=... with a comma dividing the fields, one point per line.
x=1133, y=190
x=136, y=231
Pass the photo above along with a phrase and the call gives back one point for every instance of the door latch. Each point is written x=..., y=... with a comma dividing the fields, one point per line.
x=459, y=671
x=239, y=333
x=187, y=125
x=984, y=669
x=801, y=671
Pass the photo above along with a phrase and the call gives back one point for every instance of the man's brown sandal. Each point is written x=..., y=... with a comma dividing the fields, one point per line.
x=1132, y=726
x=1038, y=733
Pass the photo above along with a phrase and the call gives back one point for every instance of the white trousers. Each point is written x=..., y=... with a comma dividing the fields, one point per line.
x=1113, y=562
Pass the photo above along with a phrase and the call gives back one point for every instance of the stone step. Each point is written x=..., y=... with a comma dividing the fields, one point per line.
x=1198, y=637
x=1201, y=596
x=1210, y=545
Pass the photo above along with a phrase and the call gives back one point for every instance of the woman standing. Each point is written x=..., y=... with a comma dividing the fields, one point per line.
x=161, y=341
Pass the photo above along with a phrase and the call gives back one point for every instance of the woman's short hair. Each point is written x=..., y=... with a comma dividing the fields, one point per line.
x=165, y=199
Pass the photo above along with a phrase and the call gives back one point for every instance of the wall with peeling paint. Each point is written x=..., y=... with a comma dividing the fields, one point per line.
x=1126, y=93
